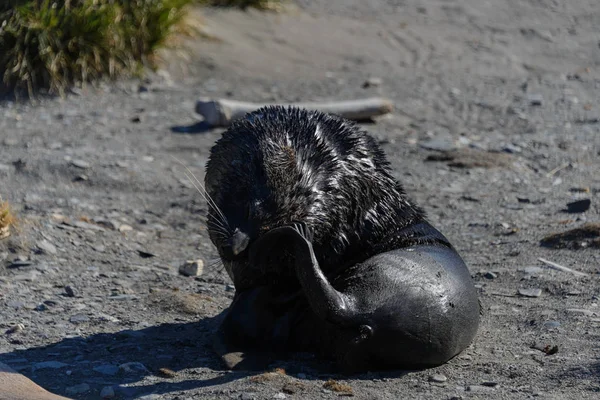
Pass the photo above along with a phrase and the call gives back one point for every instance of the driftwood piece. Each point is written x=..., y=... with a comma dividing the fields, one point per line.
x=14, y=386
x=220, y=112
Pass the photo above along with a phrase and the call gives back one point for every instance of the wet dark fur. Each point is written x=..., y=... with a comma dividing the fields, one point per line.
x=318, y=188
x=263, y=170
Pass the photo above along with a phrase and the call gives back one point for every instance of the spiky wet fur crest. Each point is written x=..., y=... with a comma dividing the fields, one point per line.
x=279, y=165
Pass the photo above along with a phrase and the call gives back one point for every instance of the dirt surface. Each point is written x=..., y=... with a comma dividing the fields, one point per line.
x=496, y=129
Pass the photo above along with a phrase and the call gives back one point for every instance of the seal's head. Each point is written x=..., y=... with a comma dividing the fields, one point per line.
x=279, y=165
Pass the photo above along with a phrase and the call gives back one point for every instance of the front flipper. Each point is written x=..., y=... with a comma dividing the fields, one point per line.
x=239, y=341
x=238, y=360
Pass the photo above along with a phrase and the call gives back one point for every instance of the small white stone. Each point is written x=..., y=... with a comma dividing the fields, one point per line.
x=533, y=292
x=438, y=378
x=46, y=247
x=80, y=164
x=125, y=228
x=133, y=367
x=192, y=268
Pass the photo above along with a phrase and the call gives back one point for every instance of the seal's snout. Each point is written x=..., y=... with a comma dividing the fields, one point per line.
x=239, y=242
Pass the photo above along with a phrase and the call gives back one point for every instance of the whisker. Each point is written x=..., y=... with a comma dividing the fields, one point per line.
x=205, y=193
x=202, y=190
x=217, y=263
x=206, y=197
x=217, y=227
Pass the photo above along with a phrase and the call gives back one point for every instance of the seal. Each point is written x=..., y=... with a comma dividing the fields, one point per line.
x=326, y=251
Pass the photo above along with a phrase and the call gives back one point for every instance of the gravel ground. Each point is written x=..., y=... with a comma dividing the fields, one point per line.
x=496, y=130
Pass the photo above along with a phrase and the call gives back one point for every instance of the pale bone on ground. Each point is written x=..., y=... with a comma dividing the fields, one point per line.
x=220, y=112
x=17, y=387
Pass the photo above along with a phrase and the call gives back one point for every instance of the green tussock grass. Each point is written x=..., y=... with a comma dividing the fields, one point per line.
x=51, y=44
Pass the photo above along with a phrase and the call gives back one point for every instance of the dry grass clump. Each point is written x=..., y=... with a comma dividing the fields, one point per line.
x=340, y=388
x=7, y=219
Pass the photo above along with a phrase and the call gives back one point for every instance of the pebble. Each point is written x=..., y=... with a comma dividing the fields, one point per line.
x=551, y=324
x=107, y=392
x=533, y=292
x=69, y=291
x=106, y=317
x=80, y=164
x=107, y=223
x=125, y=228
x=438, y=144
x=81, y=178
x=29, y=277
x=99, y=248
x=229, y=288
x=15, y=329
x=535, y=99
x=579, y=206
x=438, y=378
x=48, y=365
x=372, y=82
x=280, y=395
x=79, y=318
x=107, y=369
x=19, y=264
x=490, y=275
x=87, y=225
x=192, y=268
x=167, y=373
x=479, y=388
x=489, y=384
x=78, y=389
x=133, y=368
x=145, y=254
x=46, y=247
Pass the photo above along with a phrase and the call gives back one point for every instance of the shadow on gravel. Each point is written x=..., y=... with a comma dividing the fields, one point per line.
x=125, y=357
x=199, y=127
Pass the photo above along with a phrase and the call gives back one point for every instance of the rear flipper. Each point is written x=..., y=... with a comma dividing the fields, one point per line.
x=410, y=308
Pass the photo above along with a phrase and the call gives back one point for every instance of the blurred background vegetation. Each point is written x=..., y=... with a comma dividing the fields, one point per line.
x=51, y=44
